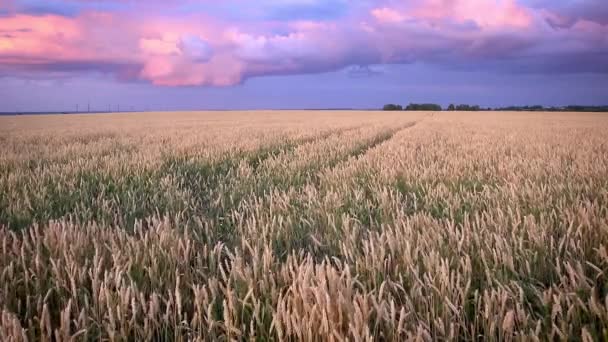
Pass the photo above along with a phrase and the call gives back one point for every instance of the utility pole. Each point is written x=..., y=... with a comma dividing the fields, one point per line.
x=77, y=108
x=89, y=107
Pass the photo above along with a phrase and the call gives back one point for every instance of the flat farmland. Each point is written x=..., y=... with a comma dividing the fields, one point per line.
x=304, y=225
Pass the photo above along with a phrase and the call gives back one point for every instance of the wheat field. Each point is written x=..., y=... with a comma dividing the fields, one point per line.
x=313, y=226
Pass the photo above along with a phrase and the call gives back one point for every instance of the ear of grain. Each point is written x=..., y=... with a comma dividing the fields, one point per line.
x=295, y=225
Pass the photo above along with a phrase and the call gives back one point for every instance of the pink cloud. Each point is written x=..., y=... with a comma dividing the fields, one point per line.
x=51, y=39
x=387, y=15
x=27, y=36
x=199, y=50
x=159, y=46
x=221, y=70
x=484, y=13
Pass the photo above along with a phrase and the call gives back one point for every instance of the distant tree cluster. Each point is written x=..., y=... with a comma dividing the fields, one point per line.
x=536, y=108
x=423, y=106
x=586, y=108
x=391, y=106
x=463, y=107
x=539, y=108
x=466, y=107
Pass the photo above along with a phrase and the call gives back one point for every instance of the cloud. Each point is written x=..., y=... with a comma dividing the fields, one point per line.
x=186, y=60
x=483, y=13
x=363, y=71
x=201, y=48
x=387, y=15
x=196, y=48
x=65, y=7
x=563, y=14
x=155, y=47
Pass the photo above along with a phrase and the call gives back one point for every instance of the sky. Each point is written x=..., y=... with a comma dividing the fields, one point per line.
x=63, y=55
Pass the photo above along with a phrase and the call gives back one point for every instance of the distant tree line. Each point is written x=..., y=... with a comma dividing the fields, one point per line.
x=423, y=106
x=539, y=108
x=536, y=108
x=391, y=106
x=429, y=107
x=412, y=106
x=466, y=107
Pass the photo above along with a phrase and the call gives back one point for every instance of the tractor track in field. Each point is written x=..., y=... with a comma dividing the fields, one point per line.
x=381, y=138
x=260, y=155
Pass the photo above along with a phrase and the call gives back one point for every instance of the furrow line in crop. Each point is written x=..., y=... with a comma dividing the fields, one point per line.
x=96, y=195
x=298, y=170
x=367, y=146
